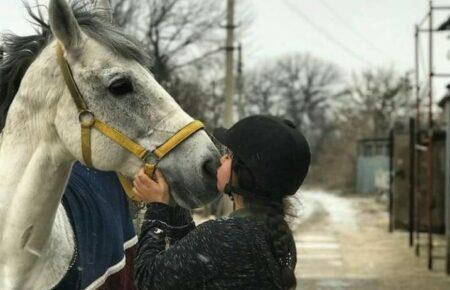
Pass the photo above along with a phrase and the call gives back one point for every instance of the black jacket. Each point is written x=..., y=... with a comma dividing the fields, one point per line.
x=231, y=253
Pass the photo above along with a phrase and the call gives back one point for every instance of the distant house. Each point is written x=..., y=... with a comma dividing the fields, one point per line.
x=372, y=169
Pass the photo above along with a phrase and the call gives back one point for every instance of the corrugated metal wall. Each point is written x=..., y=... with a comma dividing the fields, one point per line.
x=368, y=167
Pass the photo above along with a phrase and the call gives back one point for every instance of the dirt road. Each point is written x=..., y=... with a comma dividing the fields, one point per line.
x=343, y=243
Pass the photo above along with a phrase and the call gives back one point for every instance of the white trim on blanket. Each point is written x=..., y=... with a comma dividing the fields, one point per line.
x=130, y=243
x=114, y=269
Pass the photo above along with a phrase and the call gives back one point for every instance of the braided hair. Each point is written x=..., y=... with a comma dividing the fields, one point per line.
x=276, y=210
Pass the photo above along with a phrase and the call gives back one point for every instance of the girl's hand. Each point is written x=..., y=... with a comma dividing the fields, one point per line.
x=151, y=190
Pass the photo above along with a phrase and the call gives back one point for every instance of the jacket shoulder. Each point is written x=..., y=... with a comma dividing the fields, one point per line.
x=239, y=233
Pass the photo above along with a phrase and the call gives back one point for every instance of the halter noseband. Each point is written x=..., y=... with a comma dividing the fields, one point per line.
x=88, y=121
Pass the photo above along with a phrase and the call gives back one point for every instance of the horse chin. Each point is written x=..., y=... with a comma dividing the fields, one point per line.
x=130, y=167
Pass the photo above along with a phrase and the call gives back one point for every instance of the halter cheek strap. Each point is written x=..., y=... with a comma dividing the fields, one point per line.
x=88, y=121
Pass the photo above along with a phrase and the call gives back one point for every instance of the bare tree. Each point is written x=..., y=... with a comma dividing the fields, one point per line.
x=374, y=102
x=215, y=104
x=307, y=85
x=177, y=33
x=383, y=96
x=299, y=87
x=185, y=39
x=123, y=12
x=261, y=92
x=190, y=94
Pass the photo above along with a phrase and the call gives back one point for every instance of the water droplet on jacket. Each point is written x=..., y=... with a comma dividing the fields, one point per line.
x=203, y=258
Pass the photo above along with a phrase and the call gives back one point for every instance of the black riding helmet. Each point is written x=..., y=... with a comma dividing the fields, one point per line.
x=270, y=151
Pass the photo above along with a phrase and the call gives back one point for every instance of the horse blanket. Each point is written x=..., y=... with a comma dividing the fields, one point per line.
x=105, y=239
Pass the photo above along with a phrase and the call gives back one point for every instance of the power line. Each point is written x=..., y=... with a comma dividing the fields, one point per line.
x=350, y=27
x=327, y=35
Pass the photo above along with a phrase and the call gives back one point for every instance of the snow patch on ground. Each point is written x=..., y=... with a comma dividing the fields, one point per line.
x=339, y=210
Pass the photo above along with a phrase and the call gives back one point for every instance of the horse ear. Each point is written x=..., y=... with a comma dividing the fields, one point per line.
x=104, y=7
x=64, y=25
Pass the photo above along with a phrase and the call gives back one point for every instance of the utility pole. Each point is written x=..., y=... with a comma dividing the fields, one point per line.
x=445, y=104
x=225, y=206
x=229, y=77
x=429, y=152
x=240, y=83
x=430, y=143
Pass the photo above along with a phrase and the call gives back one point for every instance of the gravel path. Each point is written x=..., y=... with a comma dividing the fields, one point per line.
x=343, y=243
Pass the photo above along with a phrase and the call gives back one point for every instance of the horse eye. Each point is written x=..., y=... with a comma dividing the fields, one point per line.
x=121, y=87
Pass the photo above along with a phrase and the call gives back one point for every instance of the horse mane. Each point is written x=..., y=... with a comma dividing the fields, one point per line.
x=20, y=51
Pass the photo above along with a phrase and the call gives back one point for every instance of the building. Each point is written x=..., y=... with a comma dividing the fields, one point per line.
x=372, y=168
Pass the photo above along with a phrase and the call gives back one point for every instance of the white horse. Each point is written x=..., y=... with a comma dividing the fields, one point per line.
x=41, y=137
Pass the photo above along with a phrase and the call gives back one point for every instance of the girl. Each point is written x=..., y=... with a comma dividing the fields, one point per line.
x=267, y=160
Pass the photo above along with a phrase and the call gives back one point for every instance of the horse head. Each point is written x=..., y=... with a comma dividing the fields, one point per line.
x=112, y=75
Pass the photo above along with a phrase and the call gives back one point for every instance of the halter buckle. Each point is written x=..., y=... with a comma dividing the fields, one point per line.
x=149, y=169
x=87, y=119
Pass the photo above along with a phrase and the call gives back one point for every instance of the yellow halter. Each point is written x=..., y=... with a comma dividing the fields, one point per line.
x=88, y=121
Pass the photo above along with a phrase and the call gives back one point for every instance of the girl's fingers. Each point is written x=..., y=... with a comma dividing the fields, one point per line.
x=144, y=179
x=139, y=194
x=140, y=172
x=151, y=187
x=137, y=187
x=140, y=186
x=136, y=177
x=143, y=183
x=148, y=181
x=160, y=179
x=136, y=184
x=140, y=179
x=159, y=176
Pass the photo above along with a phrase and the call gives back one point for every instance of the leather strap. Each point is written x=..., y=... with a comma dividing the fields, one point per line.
x=121, y=139
x=68, y=78
x=178, y=138
x=86, y=145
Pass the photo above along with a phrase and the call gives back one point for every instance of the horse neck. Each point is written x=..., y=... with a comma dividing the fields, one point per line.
x=34, y=170
x=29, y=140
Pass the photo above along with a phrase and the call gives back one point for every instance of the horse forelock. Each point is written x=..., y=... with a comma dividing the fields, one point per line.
x=21, y=51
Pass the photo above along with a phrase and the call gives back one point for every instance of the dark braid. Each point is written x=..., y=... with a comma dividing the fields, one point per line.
x=280, y=234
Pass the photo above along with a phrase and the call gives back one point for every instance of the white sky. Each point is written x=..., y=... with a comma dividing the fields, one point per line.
x=374, y=32
x=364, y=32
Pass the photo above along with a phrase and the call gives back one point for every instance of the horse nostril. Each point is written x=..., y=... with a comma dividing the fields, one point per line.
x=210, y=167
